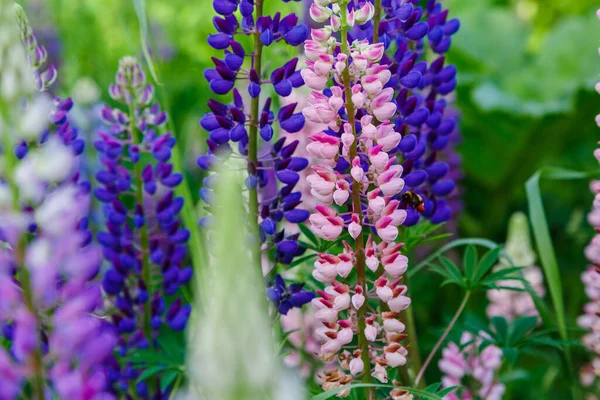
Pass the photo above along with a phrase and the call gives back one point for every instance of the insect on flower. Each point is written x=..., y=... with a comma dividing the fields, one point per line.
x=414, y=200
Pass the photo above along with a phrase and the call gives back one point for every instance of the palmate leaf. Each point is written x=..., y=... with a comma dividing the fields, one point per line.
x=500, y=329
x=421, y=393
x=309, y=234
x=520, y=328
x=455, y=243
x=452, y=269
x=470, y=261
x=433, y=388
x=503, y=275
x=486, y=263
x=511, y=355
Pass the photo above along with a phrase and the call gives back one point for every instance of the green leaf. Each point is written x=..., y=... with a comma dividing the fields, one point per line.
x=309, y=234
x=500, y=329
x=301, y=260
x=504, y=274
x=543, y=240
x=451, y=268
x=455, y=243
x=446, y=391
x=470, y=261
x=167, y=379
x=433, y=388
x=520, y=328
x=331, y=393
x=140, y=12
x=150, y=371
x=487, y=262
x=510, y=355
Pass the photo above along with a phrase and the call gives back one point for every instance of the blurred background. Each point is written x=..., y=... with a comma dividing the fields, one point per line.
x=526, y=74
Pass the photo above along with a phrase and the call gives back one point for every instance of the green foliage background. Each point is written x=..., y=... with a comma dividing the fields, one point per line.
x=526, y=70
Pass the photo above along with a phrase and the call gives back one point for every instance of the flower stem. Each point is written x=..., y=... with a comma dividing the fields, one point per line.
x=144, y=241
x=443, y=337
x=253, y=142
x=376, y=21
x=363, y=343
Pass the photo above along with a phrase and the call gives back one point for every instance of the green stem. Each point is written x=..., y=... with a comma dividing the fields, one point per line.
x=376, y=21
x=37, y=360
x=144, y=240
x=253, y=141
x=443, y=337
x=414, y=354
x=363, y=343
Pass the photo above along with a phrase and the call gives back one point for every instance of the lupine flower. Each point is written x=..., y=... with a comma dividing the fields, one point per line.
x=47, y=264
x=590, y=320
x=144, y=241
x=358, y=174
x=473, y=369
x=285, y=298
x=420, y=89
x=273, y=168
x=512, y=304
x=232, y=354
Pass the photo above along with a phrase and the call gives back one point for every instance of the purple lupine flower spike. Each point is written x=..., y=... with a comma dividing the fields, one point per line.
x=144, y=241
x=276, y=171
x=48, y=292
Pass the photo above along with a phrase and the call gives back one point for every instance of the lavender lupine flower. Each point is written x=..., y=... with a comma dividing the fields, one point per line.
x=355, y=182
x=512, y=304
x=144, y=241
x=590, y=320
x=421, y=94
x=473, y=369
x=47, y=264
x=273, y=169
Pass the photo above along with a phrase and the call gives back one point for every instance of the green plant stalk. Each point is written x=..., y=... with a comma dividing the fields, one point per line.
x=414, y=354
x=376, y=21
x=363, y=343
x=253, y=142
x=144, y=241
x=443, y=337
x=8, y=155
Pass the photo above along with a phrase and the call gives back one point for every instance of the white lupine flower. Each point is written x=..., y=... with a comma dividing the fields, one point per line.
x=58, y=213
x=232, y=351
x=34, y=118
x=54, y=161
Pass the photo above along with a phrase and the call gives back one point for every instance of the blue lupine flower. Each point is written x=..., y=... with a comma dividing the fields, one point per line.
x=285, y=298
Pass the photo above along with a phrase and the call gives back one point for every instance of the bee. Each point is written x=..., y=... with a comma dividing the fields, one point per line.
x=414, y=200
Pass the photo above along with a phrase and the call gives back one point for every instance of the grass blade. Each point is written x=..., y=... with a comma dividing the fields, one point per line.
x=140, y=11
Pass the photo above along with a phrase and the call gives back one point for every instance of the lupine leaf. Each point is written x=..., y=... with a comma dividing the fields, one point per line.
x=455, y=243
x=504, y=274
x=167, y=379
x=486, y=263
x=470, y=261
x=301, y=260
x=331, y=393
x=433, y=388
x=150, y=371
x=500, y=329
x=520, y=328
x=510, y=355
x=309, y=234
x=451, y=268
x=446, y=391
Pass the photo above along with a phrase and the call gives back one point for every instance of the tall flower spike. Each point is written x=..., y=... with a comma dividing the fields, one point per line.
x=590, y=320
x=472, y=369
x=422, y=91
x=357, y=171
x=273, y=168
x=512, y=304
x=47, y=264
x=144, y=241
